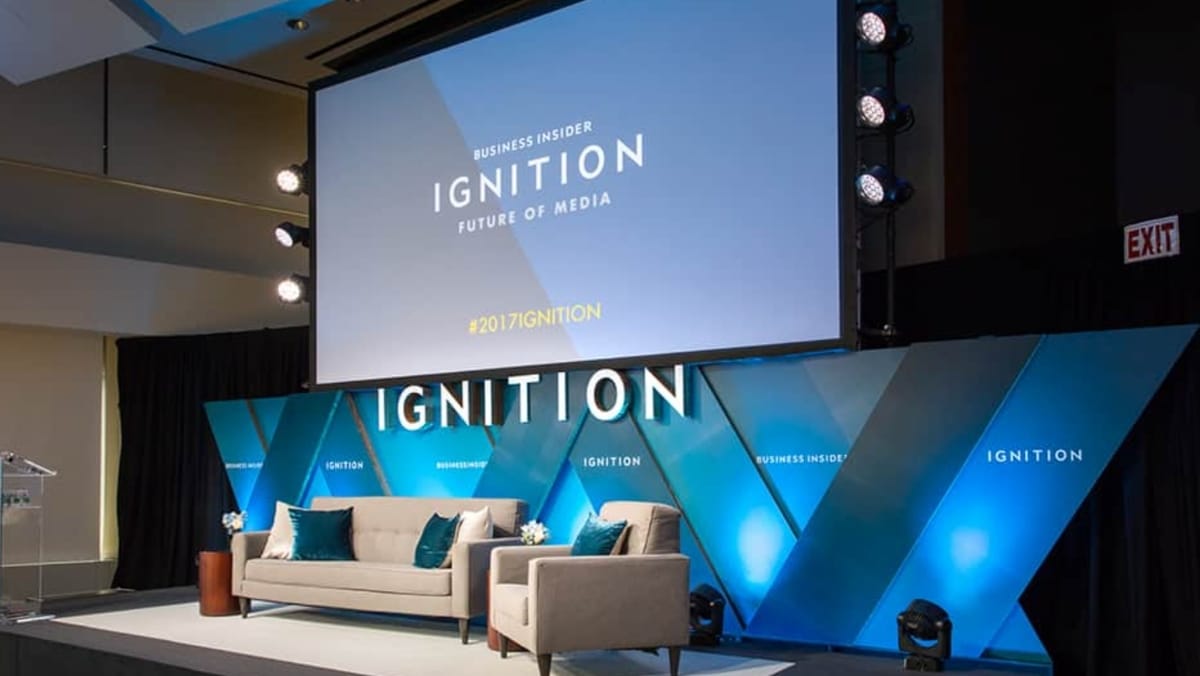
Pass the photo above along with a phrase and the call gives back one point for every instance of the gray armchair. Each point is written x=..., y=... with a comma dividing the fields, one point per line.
x=549, y=601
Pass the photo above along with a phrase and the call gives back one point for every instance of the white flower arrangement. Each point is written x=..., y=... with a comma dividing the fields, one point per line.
x=534, y=533
x=233, y=522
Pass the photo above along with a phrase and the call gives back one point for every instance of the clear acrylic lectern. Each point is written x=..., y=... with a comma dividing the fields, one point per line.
x=21, y=484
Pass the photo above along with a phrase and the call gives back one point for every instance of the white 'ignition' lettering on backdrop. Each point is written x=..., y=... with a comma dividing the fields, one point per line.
x=462, y=402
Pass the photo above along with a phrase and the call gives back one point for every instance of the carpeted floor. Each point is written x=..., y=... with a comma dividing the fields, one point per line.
x=160, y=633
x=372, y=644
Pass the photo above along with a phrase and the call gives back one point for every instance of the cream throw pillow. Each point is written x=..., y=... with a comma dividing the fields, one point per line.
x=279, y=542
x=475, y=525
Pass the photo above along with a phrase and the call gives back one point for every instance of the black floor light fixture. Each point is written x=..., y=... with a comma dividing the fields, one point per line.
x=706, y=615
x=924, y=634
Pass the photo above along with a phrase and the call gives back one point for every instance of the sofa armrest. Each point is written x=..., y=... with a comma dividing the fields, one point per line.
x=608, y=602
x=510, y=565
x=469, y=575
x=246, y=545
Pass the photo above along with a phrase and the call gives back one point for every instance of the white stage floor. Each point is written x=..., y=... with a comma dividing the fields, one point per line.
x=385, y=645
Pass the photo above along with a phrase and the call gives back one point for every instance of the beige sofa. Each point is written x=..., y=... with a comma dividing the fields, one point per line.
x=549, y=601
x=384, y=535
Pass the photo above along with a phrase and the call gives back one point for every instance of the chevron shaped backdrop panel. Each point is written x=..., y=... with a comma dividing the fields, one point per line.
x=820, y=493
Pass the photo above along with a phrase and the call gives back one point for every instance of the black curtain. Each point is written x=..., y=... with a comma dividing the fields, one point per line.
x=1119, y=594
x=172, y=487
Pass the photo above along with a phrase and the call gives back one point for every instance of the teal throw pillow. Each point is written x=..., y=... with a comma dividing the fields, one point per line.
x=433, y=549
x=321, y=535
x=598, y=537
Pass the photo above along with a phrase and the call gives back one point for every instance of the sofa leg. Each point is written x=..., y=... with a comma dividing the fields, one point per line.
x=544, y=664
x=244, y=606
x=673, y=656
x=503, y=646
x=464, y=630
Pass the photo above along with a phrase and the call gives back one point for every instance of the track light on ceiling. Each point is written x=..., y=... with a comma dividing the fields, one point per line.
x=289, y=234
x=293, y=289
x=293, y=179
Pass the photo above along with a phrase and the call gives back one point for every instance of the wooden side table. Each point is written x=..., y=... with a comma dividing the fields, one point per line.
x=216, y=584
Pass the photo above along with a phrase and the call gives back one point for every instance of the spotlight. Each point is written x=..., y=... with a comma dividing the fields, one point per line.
x=290, y=234
x=877, y=109
x=878, y=27
x=293, y=289
x=706, y=615
x=923, y=631
x=292, y=179
x=879, y=187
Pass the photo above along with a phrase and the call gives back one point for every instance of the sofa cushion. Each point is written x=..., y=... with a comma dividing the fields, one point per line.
x=321, y=535
x=380, y=516
x=433, y=549
x=474, y=525
x=512, y=601
x=395, y=578
x=279, y=541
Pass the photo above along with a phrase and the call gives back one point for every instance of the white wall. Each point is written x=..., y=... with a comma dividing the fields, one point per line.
x=51, y=383
x=106, y=294
x=165, y=230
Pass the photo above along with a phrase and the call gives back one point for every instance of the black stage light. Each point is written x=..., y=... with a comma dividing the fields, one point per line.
x=706, y=615
x=293, y=289
x=879, y=28
x=878, y=109
x=924, y=633
x=289, y=234
x=879, y=187
x=293, y=179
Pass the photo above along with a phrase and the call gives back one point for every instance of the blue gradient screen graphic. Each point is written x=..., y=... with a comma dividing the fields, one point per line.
x=613, y=179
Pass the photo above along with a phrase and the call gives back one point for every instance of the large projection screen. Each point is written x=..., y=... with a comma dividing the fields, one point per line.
x=613, y=182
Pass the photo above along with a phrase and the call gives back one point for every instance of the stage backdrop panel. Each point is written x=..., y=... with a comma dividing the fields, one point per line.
x=821, y=493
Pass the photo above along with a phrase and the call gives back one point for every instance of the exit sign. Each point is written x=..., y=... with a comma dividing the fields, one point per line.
x=1158, y=238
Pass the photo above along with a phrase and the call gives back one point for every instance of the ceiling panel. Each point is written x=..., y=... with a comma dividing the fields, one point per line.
x=262, y=44
x=42, y=37
x=192, y=15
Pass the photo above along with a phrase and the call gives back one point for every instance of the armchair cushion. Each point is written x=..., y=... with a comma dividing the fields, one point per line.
x=653, y=527
x=598, y=537
x=512, y=601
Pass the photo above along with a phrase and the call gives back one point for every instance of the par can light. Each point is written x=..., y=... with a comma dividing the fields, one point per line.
x=879, y=187
x=289, y=234
x=879, y=28
x=878, y=109
x=293, y=289
x=292, y=179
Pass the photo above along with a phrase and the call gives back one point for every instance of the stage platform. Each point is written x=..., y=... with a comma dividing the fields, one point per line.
x=162, y=632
